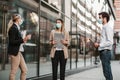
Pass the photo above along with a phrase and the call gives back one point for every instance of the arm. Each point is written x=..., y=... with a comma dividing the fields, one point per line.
x=12, y=37
x=51, y=40
x=66, y=42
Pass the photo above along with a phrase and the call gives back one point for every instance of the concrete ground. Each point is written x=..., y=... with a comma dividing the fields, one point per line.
x=96, y=73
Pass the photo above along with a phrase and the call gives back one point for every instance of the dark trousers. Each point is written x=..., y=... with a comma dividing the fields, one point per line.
x=58, y=58
x=105, y=56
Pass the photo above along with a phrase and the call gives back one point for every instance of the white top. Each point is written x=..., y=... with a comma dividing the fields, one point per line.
x=21, y=49
x=106, y=40
x=17, y=26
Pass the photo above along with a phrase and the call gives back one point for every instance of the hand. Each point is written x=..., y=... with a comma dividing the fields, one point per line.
x=28, y=36
x=64, y=42
x=25, y=39
x=53, y=42
x=96, y=45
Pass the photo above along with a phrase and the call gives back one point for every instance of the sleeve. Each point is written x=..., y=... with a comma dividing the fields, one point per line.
x=12, y=39
x=109, y=37
x=67, y=38
x=51, y=37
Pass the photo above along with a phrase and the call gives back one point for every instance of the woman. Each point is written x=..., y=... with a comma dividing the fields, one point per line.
x=15, y=40
x=59, y=39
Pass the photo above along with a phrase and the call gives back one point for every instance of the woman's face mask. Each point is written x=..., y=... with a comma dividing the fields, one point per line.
x=20, y=21
x=58, y=25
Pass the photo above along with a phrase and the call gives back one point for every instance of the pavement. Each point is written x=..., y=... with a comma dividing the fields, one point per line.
x=45, y=68
x=88, y=74
x=96, y=73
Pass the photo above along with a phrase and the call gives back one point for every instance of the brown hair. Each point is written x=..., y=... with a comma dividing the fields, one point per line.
x=62, y=28
x=15, y=17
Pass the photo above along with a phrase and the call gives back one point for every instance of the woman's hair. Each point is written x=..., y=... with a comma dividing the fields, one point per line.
x=10, y=23
x=62, y=28
x=15, y=17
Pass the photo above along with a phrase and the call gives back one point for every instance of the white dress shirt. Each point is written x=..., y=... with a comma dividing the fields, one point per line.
x=106, y=40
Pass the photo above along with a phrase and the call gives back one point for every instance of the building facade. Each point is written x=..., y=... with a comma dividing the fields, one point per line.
x=117, y=29
x=39, y=17
x=117, y=10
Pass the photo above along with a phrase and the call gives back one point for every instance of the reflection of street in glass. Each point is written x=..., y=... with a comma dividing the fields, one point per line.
x=117, y=49
x=30, y=44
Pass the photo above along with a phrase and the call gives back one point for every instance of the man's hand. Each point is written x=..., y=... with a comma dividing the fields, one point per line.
x=96, y=45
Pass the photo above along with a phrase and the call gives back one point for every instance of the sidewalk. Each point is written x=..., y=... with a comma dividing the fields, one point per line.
x=45, y=68
x=96, y=73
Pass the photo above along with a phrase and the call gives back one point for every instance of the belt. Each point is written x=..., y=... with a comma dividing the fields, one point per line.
x=104, y=50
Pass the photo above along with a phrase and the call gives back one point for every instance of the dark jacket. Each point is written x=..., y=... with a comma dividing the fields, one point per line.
x=15, y=40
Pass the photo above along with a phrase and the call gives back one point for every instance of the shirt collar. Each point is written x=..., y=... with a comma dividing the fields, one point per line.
x=17, y=26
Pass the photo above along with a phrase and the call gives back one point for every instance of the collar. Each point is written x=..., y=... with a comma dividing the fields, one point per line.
x=17, y=26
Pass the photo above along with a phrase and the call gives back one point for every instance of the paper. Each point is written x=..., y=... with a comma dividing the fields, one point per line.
x=23, y=33
x=29, y=36
x=58, y=37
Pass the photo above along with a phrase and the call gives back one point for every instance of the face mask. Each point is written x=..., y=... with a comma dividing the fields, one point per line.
x=100, y=21
x=21, y=21
x=58, y=25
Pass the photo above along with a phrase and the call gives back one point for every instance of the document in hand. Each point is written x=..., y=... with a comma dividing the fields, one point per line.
x=58, y=37
x=23, y=33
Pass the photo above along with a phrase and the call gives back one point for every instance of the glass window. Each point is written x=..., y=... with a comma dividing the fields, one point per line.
x=81, y=7
x=45, y=61
x=74, y=10
x=1, y=36
x=74, y=1
x=30, y=26
x=55, y=3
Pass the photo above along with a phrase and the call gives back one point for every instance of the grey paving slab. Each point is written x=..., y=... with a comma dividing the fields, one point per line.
x=96, y=73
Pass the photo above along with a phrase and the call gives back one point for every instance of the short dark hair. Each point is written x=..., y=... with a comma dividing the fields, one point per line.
x=105, y=15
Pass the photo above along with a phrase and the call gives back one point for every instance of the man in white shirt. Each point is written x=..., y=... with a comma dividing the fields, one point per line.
x=105, y=45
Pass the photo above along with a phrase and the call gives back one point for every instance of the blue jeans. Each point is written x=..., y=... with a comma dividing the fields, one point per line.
x=105, y=56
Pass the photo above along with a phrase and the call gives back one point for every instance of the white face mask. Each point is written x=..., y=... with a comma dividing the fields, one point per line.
x=100, y=21
x=58, y=25
x=21, y=21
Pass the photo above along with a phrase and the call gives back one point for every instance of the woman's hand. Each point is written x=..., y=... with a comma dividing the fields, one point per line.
x=65, y=42
x=53, y=42
x=27, y=38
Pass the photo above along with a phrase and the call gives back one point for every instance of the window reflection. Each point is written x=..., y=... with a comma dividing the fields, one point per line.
x=34, y=18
